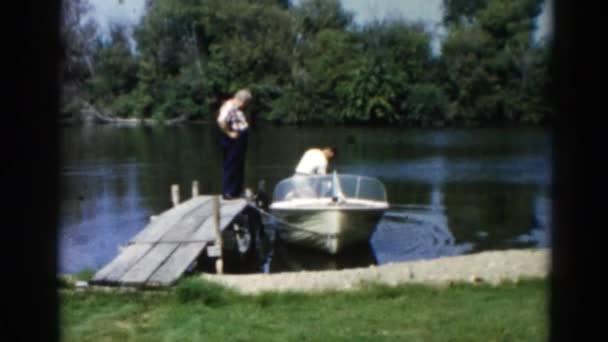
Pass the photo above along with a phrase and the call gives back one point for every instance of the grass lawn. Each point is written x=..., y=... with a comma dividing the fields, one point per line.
x=200, y=311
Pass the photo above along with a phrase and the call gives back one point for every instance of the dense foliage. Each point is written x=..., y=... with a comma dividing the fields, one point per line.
x=311, y=63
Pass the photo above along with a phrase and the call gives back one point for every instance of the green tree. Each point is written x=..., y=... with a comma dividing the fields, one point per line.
x=537, y=85
x=459, y=12
x=313, y=16
x=329, y=63
x=77, y=38
x=202, y=51
x=320, y=53
x=116, y=72
x=488, y=63
x=310, y=63
x=398, y=59
x=465, y=53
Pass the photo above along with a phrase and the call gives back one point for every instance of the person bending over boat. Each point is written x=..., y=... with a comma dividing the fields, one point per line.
x=315, y=160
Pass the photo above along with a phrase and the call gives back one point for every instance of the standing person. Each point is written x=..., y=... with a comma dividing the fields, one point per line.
x=315, y=160
x=235, y=129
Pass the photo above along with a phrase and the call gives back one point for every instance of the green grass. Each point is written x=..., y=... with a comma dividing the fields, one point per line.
x=200, y=311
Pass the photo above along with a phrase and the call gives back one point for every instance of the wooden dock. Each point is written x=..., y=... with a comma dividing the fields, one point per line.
x=171, y=242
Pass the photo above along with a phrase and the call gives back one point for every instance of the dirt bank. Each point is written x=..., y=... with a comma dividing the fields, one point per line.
x=490, y=267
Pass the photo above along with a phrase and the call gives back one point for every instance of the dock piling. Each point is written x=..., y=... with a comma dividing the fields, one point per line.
x=175, y=194
x=194, y=188
x=219, y=263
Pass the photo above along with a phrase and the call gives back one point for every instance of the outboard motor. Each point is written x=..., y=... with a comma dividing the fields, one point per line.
x=261, y=199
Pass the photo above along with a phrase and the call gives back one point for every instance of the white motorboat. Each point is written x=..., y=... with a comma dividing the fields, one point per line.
x=328, y=212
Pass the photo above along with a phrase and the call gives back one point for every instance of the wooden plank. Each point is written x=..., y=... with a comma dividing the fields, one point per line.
x=232, y=207
x=142, y=270
x=228, y=211
x=176, y=264
x=113, y=271
x=165, y=221
x=183, y=229
x=163, y=263
x=206, y=231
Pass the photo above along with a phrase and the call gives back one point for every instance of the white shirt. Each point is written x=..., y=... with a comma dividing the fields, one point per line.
x=232, y=116
x=313, y=162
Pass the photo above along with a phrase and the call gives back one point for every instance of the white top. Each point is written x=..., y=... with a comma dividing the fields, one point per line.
x=232, y=116
x=312, y=162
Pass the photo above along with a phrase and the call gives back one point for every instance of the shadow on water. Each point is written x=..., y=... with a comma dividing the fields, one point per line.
x=290, y=258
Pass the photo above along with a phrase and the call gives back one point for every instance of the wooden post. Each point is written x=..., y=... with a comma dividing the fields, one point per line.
x=219, y=263
x=248, y=195
x=194, y=188
x=175, y=194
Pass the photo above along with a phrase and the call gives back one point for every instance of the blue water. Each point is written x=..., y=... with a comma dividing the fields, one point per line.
x=455, y=191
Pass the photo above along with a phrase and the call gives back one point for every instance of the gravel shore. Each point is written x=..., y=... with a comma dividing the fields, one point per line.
x=487, y=267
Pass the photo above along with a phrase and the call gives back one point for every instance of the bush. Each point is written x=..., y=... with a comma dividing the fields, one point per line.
x=124, y=106
x=425, y=104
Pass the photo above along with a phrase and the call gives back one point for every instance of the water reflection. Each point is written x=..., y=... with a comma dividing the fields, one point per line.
x=523, y=170
x=473, y=190
x=101, y=211
x=539, y=235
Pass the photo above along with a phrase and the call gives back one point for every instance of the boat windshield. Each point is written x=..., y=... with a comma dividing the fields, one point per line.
x=321, y=186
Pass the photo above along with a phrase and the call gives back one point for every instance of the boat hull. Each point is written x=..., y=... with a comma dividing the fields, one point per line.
x=329, y=230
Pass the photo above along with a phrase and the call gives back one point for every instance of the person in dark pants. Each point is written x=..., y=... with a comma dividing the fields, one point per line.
x=235, y=128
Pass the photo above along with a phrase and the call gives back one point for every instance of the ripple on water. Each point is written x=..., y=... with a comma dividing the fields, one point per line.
x=404, y=235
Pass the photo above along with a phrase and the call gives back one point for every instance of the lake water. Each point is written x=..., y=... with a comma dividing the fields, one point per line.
x=469, y=190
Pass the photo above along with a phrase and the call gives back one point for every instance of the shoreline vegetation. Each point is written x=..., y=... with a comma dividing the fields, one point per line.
x=86, y=117
x=89, y=115
x=309, y=63
x=492, y=305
